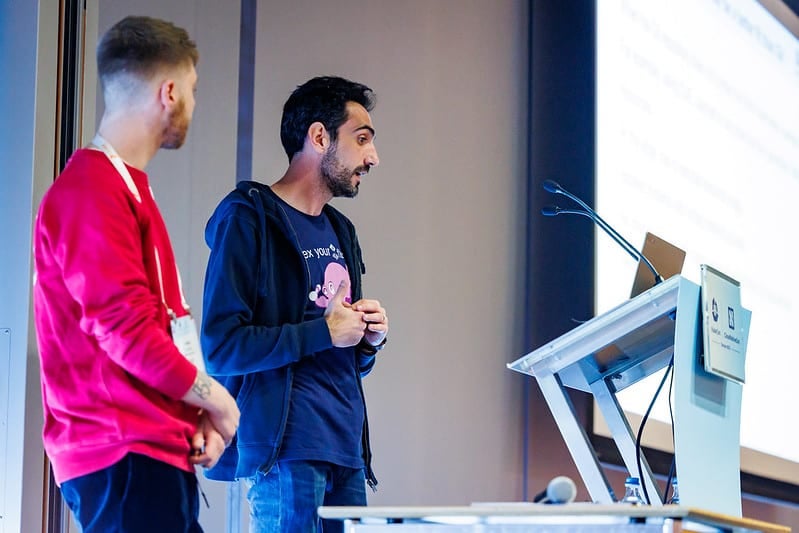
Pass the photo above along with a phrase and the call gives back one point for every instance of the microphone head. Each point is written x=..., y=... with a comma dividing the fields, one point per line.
x=561, y=490
x=552, y=186
x=550, y=210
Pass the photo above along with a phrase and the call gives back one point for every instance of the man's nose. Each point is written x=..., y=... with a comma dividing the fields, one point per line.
x=371, y=158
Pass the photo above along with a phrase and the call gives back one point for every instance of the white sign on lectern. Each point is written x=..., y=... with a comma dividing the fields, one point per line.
x=725, y=324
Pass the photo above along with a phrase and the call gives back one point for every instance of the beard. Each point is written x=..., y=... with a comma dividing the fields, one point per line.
x=337, y=177
x=176, y=128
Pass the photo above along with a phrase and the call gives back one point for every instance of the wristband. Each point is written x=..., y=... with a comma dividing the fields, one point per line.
x=370, y=349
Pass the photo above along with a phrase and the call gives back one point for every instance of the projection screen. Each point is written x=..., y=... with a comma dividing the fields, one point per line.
x=698, y=142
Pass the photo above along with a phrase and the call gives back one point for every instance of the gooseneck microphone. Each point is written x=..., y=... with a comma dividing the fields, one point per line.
x=560, y=490
x=551, y=211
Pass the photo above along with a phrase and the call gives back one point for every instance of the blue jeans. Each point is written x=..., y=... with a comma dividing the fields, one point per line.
x=136, y=494
x=285, y=499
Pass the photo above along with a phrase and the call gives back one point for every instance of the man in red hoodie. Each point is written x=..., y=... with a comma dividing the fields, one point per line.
x=128, y=407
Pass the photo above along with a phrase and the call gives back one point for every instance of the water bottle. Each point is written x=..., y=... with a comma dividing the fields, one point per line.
x=632, y=491
x=675, y=496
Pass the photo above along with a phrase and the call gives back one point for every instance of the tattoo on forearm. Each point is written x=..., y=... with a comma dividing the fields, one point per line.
x=202, y=386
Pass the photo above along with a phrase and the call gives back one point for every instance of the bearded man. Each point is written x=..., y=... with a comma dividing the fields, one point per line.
x=285, y=326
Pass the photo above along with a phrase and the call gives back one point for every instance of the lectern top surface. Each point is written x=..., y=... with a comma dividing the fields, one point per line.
x=543, y=514
x=614, y=343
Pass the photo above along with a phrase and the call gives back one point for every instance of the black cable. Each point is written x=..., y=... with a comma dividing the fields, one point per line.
x=641, y=429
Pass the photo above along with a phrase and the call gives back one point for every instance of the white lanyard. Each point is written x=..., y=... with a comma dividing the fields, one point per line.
x=113, y=156
x=182, y=329
x=124, y=173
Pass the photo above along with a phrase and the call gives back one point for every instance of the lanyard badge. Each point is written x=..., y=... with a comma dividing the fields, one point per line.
x=184, y=335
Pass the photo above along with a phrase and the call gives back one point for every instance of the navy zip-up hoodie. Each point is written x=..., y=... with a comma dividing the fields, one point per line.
x=252, y=331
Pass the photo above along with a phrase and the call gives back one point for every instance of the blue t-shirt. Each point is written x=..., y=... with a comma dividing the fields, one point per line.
x=326, y=412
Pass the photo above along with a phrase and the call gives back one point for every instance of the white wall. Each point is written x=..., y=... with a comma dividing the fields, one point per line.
x=27, y=102
x=17, y=106
x=440, y=221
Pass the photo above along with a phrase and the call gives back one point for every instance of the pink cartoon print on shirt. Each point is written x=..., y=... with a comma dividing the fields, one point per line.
x=334, y=275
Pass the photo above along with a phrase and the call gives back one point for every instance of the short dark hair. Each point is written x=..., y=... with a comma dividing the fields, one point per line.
x=323, y=99
x=142, y=45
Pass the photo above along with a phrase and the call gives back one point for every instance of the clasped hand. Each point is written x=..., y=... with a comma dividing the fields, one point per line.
x=207, y=443
x=349, y=323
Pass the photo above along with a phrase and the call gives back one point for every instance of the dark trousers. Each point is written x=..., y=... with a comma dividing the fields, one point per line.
x=137, y=494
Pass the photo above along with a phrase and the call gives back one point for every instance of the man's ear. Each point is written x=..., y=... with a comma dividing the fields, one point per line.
x=167, y=94
x=318, y=137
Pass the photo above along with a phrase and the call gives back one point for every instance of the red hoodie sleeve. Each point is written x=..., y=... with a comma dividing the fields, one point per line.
x=94, y=231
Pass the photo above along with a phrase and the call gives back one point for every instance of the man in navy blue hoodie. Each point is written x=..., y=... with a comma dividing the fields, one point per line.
x=285, y=327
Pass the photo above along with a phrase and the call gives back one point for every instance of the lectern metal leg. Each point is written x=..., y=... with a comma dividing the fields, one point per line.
x=576, y=438
x=625, y=439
